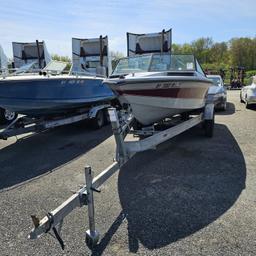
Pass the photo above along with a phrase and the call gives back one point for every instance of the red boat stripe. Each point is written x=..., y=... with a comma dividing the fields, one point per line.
x=195, y=93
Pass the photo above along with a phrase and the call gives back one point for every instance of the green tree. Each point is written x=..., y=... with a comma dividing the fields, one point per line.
x=243, y=52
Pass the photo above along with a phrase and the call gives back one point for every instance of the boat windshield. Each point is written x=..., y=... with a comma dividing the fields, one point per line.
x=155, y=62
x=133, y=65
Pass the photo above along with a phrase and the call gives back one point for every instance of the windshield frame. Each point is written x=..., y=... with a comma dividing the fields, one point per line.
x=195, y=63
x=131, y=57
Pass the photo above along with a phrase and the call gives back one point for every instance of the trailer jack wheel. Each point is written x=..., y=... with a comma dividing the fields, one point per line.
x=91, y=238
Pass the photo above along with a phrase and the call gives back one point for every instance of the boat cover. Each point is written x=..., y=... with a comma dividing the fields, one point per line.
x=26, y=53
x=149, y=43
x=3, y=60
x=90, y=55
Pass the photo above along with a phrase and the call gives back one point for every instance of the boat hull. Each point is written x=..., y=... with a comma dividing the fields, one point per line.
x=47, y=96
x=152, y=101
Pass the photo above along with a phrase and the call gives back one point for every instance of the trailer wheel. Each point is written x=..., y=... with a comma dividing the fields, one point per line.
x=98, y=121
x=106, y=117
x=7, y=116
x=209, y=127
x=224, y=106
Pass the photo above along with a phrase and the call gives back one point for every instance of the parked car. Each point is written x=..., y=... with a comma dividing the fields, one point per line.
x=7, y=116
x=217, y=92
x=248, y=93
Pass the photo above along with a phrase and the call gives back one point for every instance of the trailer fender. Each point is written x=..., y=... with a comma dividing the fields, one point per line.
x=94, y=110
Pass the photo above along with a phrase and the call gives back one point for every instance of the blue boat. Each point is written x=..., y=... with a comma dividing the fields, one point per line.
x=50, y=92
x=35, y=95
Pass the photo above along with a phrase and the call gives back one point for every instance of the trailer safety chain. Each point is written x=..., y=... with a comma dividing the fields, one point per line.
x=57, y=235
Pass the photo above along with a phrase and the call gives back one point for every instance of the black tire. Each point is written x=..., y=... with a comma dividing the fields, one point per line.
x=6, y=116
x=247, y=106
x=209, y=127
x=98, y=121
x=224, y=106
x=106, y=117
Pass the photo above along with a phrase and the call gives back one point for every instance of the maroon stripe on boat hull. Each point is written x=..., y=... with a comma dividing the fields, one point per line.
x=193, y=93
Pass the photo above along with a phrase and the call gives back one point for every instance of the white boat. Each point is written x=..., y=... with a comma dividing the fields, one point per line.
x=157, y=86
x=248, y=93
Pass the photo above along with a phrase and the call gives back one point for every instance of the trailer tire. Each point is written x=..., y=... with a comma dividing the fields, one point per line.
x=209, y=127
x=224, y=107
x=98, y=121
x=7, y=116
x=106, y=117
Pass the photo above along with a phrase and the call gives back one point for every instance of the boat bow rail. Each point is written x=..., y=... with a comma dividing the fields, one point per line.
x=122, y=123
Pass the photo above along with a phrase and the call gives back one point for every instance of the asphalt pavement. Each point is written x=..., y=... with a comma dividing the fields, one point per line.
x=191, y=196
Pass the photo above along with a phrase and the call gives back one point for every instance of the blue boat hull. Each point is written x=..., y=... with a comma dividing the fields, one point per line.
x=47, y=96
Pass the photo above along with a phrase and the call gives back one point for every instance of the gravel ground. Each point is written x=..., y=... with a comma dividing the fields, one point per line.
x=191, y=196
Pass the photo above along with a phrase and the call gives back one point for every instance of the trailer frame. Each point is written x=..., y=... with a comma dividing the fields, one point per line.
x=25, y=124
x=121, y=122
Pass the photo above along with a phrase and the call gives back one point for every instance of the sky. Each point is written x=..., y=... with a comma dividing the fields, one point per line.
x=57, y=21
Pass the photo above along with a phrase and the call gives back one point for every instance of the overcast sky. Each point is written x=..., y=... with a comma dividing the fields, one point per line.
x=57, y=21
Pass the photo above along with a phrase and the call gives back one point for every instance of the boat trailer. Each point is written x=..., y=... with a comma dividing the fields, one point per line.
x=25, y=124
x=122, y=122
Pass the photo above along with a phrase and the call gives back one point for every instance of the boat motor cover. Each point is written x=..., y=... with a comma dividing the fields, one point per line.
x=149, y=43
x=87, y=55
x=25, y=53
x=3, y=59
